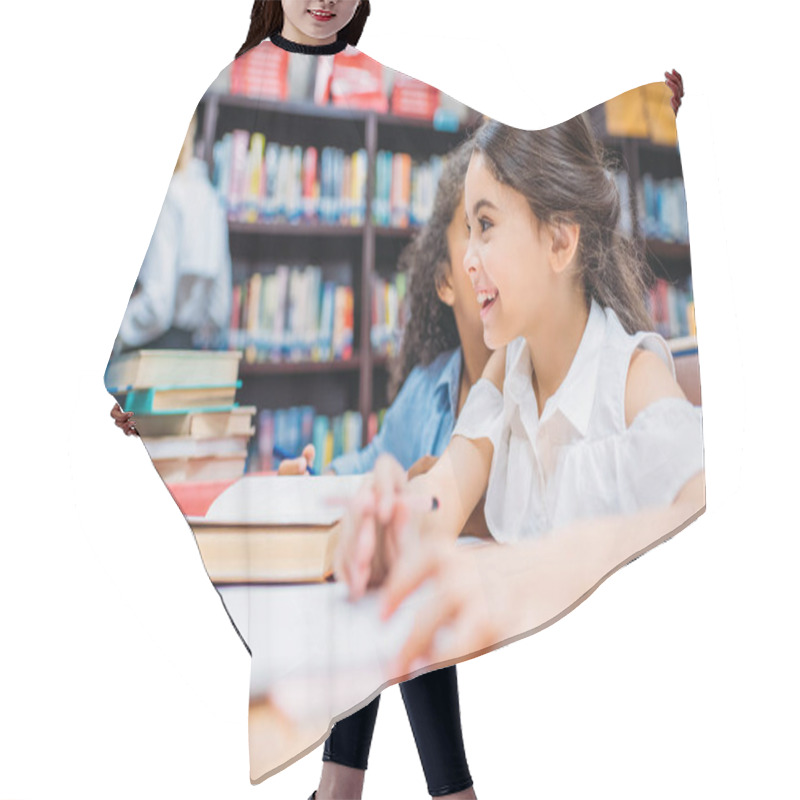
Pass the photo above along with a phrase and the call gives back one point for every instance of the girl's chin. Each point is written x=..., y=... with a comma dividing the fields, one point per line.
x=492, y=340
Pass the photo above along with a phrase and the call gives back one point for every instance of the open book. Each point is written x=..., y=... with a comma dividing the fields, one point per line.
x=270, y=529
x=283, y=500
x=315, y=652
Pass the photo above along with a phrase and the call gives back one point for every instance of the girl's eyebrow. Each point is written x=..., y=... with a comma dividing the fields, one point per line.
x=481, y=203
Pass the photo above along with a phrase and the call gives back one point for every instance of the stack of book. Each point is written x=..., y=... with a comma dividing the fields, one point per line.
x=270, y=529
x=185, y=411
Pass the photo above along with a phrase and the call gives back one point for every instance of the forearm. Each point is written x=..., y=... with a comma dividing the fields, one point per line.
x=457, y=481
x=550, y=576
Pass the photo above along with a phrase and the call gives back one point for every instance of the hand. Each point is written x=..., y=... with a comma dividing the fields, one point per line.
x=421, y=466
x=675, y=82
x=472, y=607
x=298, y=466
x=377, y=525
x=124, y=420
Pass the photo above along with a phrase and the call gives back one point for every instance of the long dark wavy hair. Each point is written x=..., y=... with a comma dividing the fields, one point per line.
x=563, y=173
x=266, y=19
x=431, y=327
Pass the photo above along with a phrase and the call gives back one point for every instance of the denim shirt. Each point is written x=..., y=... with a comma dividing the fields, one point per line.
x=420, y=420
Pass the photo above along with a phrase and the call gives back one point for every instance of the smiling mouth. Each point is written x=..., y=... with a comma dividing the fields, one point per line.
x=486, y=300
x=323, y=16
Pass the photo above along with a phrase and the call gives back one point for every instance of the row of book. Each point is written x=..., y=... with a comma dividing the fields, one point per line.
x=348, y=80
x=261, y=181
x=404, y=190
x=662, y=209
x=292, y=314
x=672, y=307
x=185, y=411
x=284, y=432
x=389, y=313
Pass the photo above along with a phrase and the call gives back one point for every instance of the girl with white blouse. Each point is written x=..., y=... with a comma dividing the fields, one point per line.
x=586, y=448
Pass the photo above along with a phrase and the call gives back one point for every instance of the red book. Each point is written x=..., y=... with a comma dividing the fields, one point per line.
x=348, y=324
x=413, y=98
x=194, y=499
x=357, y=82
x=310, y=183
x=261, y=72
x=372, y=427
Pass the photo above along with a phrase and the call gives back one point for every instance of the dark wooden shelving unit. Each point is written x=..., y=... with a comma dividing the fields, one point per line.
x=351, y=383
x=351, y=129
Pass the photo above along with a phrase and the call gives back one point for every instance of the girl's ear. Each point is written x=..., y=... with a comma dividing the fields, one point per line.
x=444, y=289
x=565, y=237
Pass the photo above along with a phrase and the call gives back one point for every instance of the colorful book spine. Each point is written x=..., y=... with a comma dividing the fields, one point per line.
x=671, y=306
x=291, y=429
x=389, y=314
x=404, y=190
x=662, y=209
x=292, y=314
x=263, y=181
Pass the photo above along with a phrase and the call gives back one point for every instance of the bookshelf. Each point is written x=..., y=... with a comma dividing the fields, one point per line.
x=359, y=382
x=371, y=249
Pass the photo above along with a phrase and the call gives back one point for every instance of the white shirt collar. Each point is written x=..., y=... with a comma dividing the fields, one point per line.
x=574, y=398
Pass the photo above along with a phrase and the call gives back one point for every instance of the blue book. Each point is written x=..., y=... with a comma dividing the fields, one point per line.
x=181, y=399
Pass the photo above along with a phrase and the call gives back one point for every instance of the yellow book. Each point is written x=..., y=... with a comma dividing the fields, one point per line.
x=644, y=113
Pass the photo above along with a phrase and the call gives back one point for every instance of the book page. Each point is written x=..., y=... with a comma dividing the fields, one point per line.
x=285, y=500
x=315, y=652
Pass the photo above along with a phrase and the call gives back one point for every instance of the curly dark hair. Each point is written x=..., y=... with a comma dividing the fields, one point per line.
x=266, y=19
x=431, y=327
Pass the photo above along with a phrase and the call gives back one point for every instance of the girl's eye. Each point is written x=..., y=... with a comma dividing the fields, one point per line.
x=484, y=223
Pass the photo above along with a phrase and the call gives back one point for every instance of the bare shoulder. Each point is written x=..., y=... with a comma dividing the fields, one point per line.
x=495, y=369
x=649, y=379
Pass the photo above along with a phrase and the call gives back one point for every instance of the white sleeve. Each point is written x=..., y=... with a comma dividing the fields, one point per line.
x=660, y=451
x=482, y=414
x=150, y=310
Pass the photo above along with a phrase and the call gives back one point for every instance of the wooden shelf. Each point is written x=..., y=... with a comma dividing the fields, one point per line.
x=669, y=251
x=310, y=109
x=642, y=143
x=317, y=229
x=303, y=229
x=298, y=367
x=397, y=233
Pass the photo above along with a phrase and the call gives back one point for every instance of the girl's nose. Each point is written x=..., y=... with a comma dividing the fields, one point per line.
x=470, y=262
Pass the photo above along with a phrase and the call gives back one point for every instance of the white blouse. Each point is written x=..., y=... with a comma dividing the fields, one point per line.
x=579, y=459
